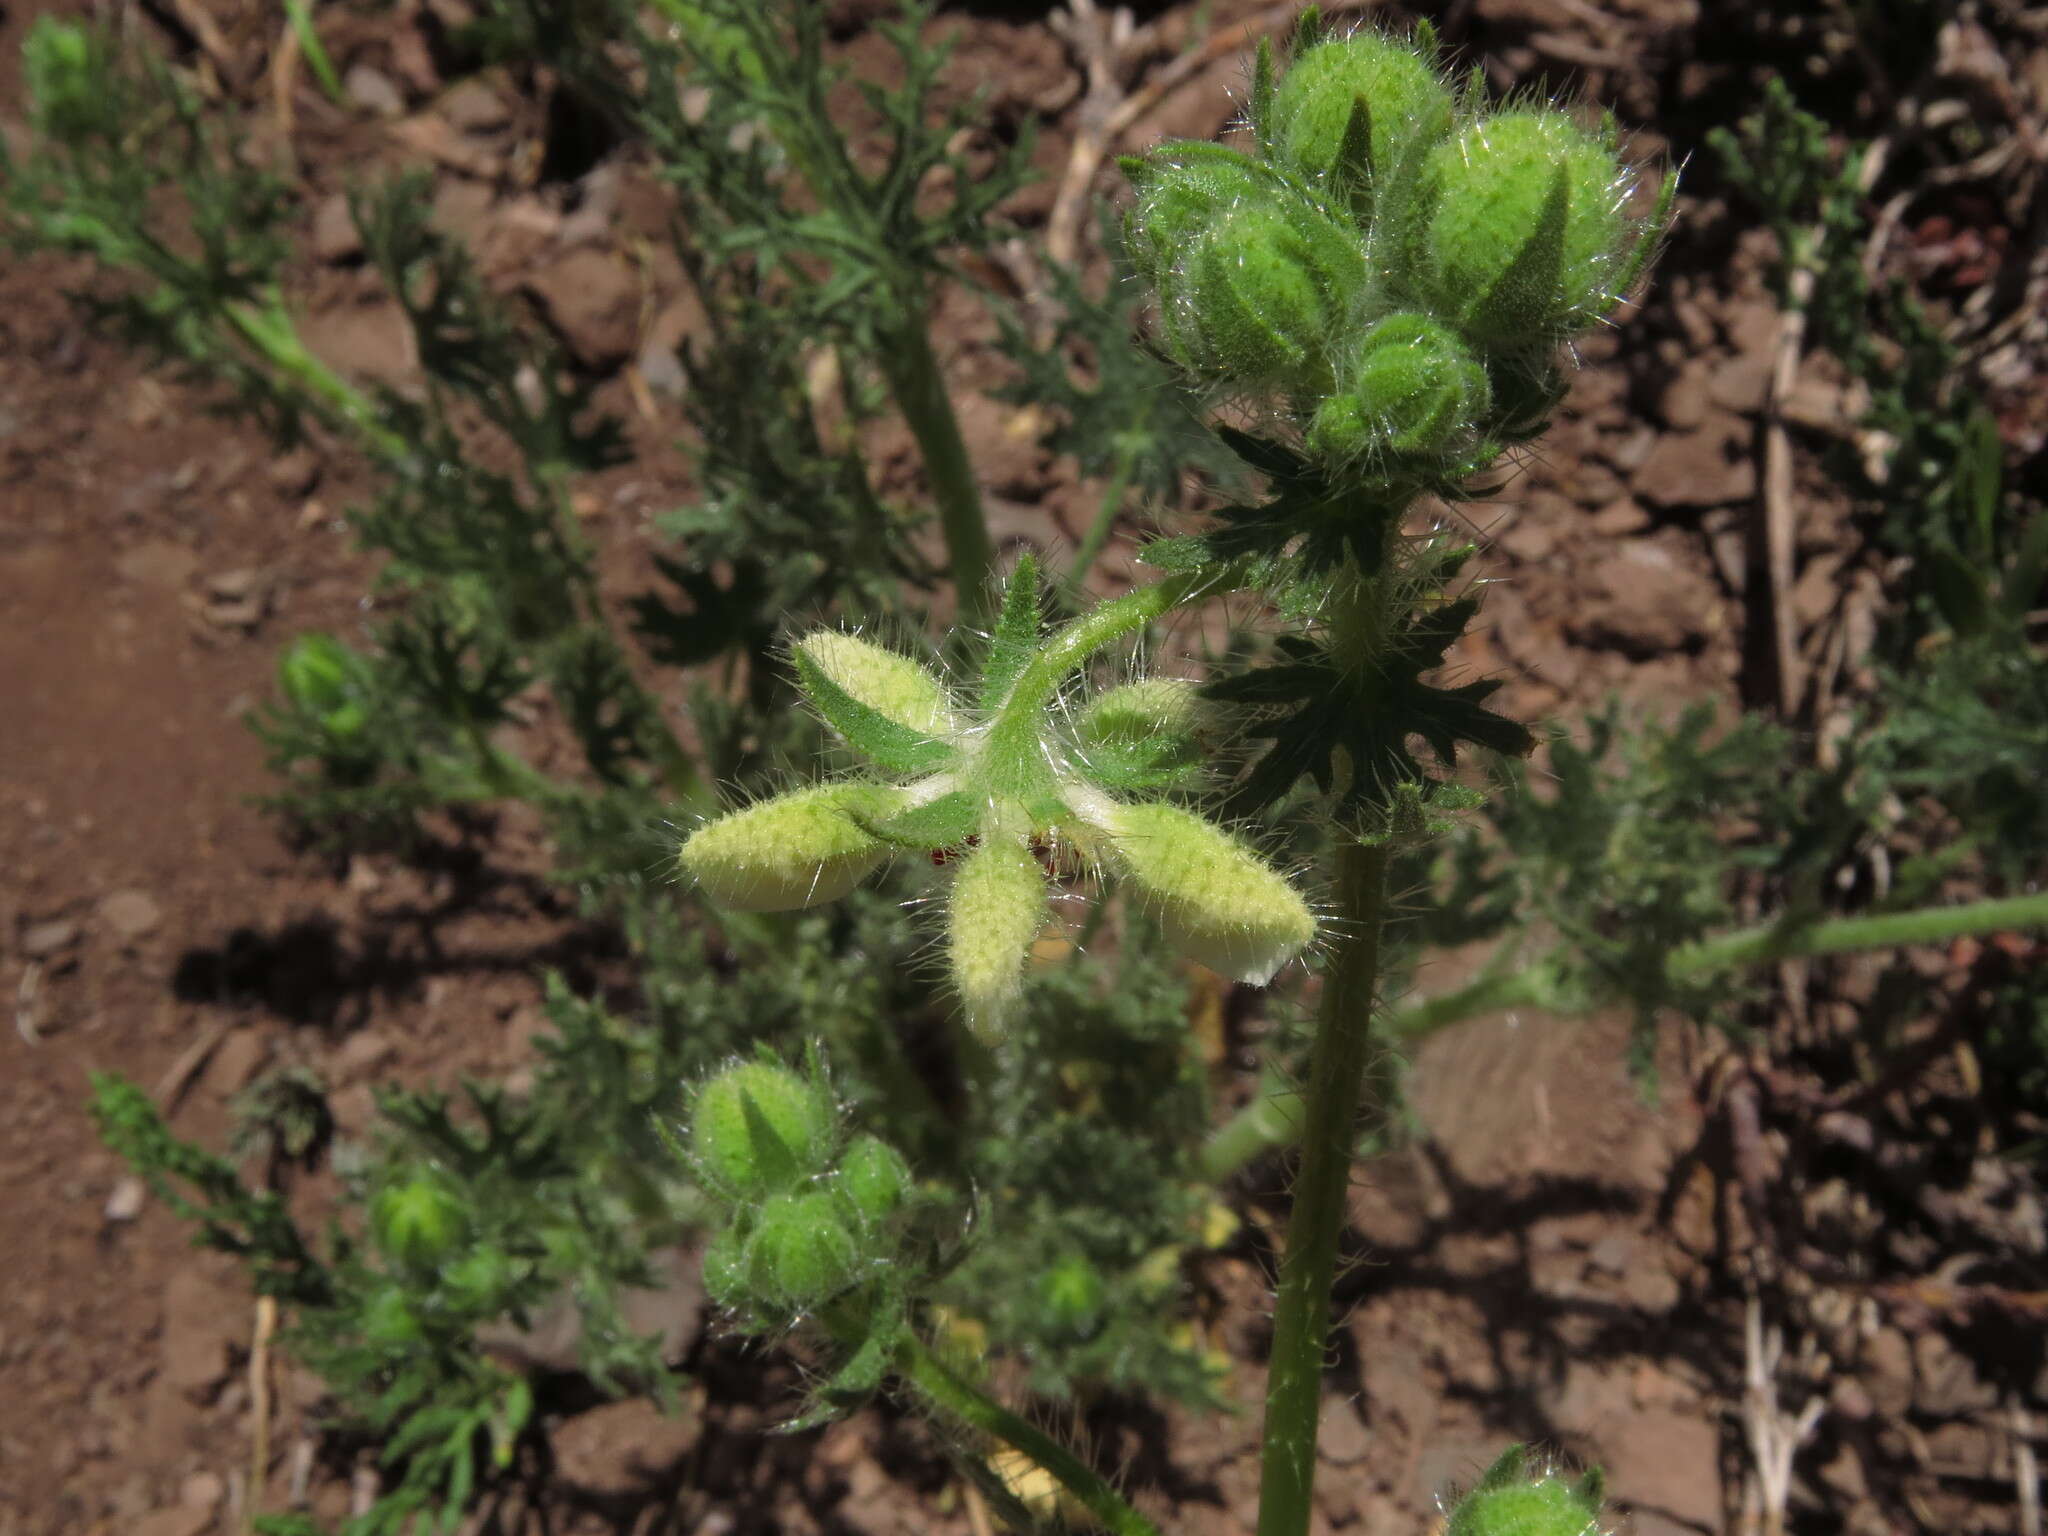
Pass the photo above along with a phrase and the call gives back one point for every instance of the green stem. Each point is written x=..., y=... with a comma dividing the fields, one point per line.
x=271, y=332
x=1877, y=930
x=920, y=392
x=300, y=14
x=947, y=1390
x=1275, y=1119
x=1070, y=647
x=1301, y=1316
x=1098, y=533
x=1013, y=739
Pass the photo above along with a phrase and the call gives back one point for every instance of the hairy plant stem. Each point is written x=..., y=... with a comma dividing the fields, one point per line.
x=1097, y=536
x=1275, y=1120
x=1301, y=1316
x=920, y=393
x=960, y=1399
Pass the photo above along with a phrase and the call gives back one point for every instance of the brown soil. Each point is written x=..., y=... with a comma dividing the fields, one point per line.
x=1552, y=1258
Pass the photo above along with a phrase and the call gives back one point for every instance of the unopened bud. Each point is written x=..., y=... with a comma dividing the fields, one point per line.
x=792, y=850
x=892, y=685
x=1349, y=112
x=418, y=1222
x=1182, y=190
x=1073, y=1295
x=1218, y=902
x=317, y=673
x=874, y=1179
x=997, y=909
x=1518, y=236
x=757, y=1127
x=1514, y=1498
x=1414, y=391
x=801, y=1251
x=1264, y=294
x=1143, y=711
x=725, y=1269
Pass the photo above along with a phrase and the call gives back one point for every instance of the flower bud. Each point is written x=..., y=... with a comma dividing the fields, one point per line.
x=801, y=1251
x=725, y=1269
x=758, y=1127
x=1514, y=1499
x=1517, y=236
x=1143, y=711
x=387, y=1318
x=1182, y=190
x=1263, y=294
x=63, y=77
x=1415, y=390
x=317, y=673
x=874, y=1179
x=794, y=850
x=1073, y=1294
x=997, y=909
x=1218, y=902
x=481, y=1279
x=891, y=685
x=1349, y=112
x=418, y=1222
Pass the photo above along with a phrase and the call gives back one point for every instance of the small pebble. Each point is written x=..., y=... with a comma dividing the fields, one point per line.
x=125, y=1202
x=131, y=914
x=373, y=91
x=203, y=1490
x=44, y=940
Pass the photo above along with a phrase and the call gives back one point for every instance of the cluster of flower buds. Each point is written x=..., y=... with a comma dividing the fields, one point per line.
x=810, y=1215
x=1394, y=262
x=1004, y=791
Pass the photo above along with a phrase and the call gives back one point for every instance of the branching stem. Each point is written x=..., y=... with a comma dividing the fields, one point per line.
x=1275, y=1119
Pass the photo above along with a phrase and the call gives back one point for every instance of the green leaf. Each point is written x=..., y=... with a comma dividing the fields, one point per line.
x=895, y=747
x=945, y=822
x=2029, y=568
x=1980, y=483
x=1016, y=634
x=1959, y=589
x=1349, y=730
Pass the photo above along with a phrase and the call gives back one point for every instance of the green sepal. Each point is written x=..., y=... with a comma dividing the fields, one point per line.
x=1354, y=172
x=1140, y=768
x=945, y=822
x=1262, y=94
x=1015, y=638
x=1537, y=268
x=1648, y=238
x=1505, y=1471
x=893, y=745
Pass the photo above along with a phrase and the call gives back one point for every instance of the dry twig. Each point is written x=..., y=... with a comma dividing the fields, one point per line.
x=1106, y=44
x=1774, y=1437
x=1779, y=528
x=259, y=1406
